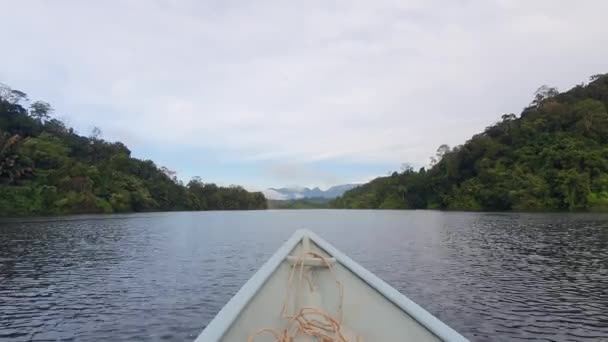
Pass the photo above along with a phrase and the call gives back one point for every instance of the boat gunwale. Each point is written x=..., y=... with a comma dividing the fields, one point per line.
x=224, y=319
x=220, y=324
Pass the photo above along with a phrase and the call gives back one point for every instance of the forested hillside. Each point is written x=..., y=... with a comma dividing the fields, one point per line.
x=46, y=168
x=554, y=156
x=300, y=203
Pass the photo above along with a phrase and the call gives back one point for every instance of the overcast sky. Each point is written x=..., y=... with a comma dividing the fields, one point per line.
x=274, y=93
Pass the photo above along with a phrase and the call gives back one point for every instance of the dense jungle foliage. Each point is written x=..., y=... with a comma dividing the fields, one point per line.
x=301, y=203
x=554, y=156
x=47, y=168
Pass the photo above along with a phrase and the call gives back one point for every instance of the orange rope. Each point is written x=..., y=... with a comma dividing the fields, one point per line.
x=308, y=321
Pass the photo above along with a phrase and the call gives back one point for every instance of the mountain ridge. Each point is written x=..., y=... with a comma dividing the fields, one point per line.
x=291, y=193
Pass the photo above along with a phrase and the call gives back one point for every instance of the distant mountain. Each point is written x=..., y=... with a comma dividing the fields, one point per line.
x=301, y=192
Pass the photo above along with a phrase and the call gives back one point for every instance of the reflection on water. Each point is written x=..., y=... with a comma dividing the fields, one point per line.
x=164, y=276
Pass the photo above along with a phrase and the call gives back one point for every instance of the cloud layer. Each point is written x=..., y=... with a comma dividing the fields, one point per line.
x=298, y=82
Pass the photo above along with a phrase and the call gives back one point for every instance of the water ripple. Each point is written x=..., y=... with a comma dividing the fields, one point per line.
x=499, y=277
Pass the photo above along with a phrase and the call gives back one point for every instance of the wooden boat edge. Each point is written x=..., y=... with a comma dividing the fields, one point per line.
x=220, y=324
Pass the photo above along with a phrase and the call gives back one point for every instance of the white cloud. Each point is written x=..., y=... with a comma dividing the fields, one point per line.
x=297, y=173
x=298, y=81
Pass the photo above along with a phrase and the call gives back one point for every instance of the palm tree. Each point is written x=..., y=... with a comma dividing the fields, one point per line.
x=10, y=168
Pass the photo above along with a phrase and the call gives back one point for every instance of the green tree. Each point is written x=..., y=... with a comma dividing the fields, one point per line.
x=11, y=166
x=41, y=110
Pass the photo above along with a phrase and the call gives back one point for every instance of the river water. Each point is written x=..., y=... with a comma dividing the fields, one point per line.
x=163, y=276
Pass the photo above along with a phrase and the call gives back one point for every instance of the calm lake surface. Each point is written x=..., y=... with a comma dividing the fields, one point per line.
x=163, y=276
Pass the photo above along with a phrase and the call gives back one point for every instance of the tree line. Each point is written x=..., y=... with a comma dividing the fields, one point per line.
x=554, y=156
x=47, y=168
x=300, y=203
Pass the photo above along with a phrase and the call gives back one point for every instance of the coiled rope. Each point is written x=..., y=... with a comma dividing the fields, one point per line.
x=308, y=321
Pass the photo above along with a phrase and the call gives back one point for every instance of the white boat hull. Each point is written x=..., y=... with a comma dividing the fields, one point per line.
x=371, y=309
